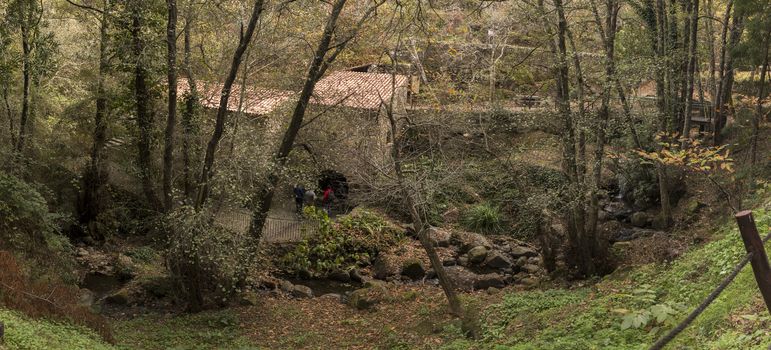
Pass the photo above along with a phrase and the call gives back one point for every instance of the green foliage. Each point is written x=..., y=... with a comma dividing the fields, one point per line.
x=27, y=226
x=205, y=330
x=484, y=218
x=142, y=254
x=356, y=240
x=208, y=262
x=25, y=333
x=630, y=310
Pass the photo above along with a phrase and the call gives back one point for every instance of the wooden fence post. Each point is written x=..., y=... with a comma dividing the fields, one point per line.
x=2, y=333
x=759, y=261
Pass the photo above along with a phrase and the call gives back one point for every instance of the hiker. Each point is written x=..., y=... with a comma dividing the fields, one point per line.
x=310, y=198
x=327, y=198
x=299, y=197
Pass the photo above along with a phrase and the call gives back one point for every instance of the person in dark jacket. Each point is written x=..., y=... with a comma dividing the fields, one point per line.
x=299, y=198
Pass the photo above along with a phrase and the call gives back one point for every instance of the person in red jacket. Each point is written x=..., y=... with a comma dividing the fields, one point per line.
x=327, y=198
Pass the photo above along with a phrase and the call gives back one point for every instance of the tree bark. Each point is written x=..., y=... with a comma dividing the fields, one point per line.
x=726, y=99
x=9, y=112
x=690, y=76
x=171, y=120
x=219, y=127
x=96, y=173
x=191, y=101
x=24, y=26
x=759, y=106
x=142, y=99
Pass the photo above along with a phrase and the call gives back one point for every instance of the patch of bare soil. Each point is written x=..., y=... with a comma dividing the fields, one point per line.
x=408, y=316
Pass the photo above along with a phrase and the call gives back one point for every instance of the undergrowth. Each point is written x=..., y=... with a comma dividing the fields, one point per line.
x=632, y=309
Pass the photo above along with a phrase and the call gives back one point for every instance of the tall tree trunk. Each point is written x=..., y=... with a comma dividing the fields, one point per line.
x=664, y=104
x=9, y=112
x=171, y=120
x=191, y=102
x=691, y=70
x=711, y=49
x=219, y=127
x=325, y=54
x=142, y=99
x=718, y=95
x=26, y=51
x=96, y=173
x=421, y=226
x=759, y=107
x=726, y=91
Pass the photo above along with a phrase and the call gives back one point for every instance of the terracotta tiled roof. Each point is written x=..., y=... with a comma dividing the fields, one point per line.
x=357, y=89
x=256, y=101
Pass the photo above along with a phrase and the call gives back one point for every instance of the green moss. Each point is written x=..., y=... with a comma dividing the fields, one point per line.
x=24, y=333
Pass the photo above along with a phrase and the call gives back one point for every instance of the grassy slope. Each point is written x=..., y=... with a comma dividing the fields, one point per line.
x=590, y=318
x=24, y=333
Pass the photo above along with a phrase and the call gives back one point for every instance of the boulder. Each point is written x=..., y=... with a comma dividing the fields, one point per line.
x=451, y=216
x=530, y=268
x=640, y=219
x=248, y=299
x=521, y=250
x=414, y=269
x=468, y=240
x=302, y=292
x=121, y=297
x=529, y=281
x=462, y=278
x=374, y=284
x=496, y=260
x=86, y=297
x=521, y=261
x=332, y=296
x=477, y=254
x=463, y=261
x=489, y=280
x=158, y=287
x=340, y=276
x=439, y=237
x=356, y=276
x=449, y=261
x=385, y=266
x=286, y=286
x=365, y=298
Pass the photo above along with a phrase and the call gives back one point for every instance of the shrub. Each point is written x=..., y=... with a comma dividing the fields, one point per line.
x=208, y=263
x=484, y=218
x=25, y=222
x=49, y=299
x=354, y=241
x=27, y=227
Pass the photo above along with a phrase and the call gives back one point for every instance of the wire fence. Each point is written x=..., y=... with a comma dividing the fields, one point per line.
x=755, y=254
x=276, y=229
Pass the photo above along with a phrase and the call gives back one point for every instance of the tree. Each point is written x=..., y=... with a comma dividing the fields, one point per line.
x=144, y=116
x=26, y=15
x=171, y=120
x=243, y=42
x=95, y=174
x=326, y=53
